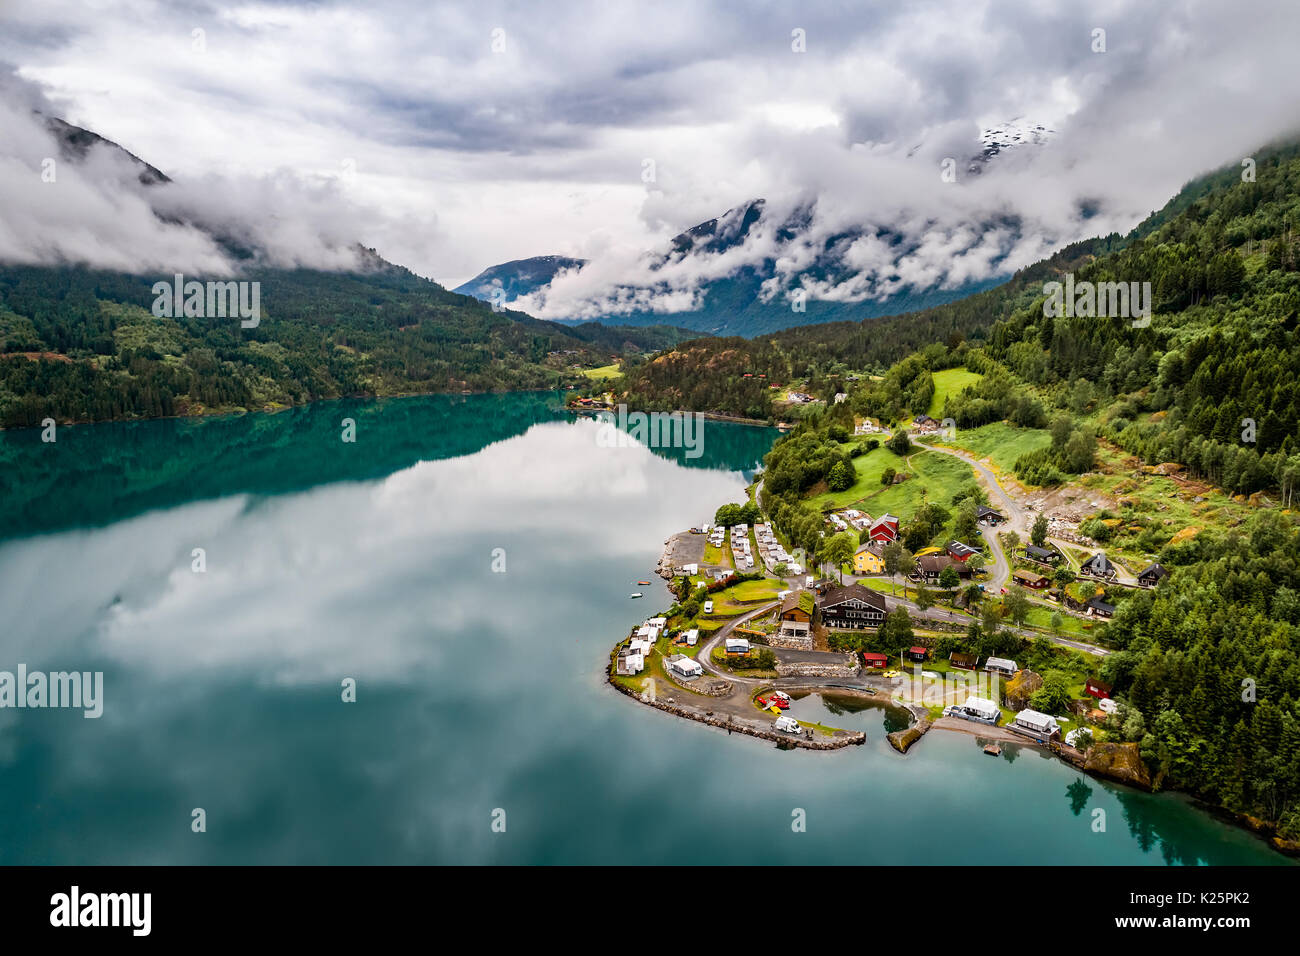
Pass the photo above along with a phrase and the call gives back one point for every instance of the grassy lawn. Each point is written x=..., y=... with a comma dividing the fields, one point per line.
x=766, y=589
x=604, y=372
x=1001, y=443
x=869, y=467
x=949, y=382
x=819, y=728
x=939, y=475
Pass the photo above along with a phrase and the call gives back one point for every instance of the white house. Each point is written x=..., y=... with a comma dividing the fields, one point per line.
x=977, y=708
x=629, y=663
x=1041, y=724
x=1001, y=665
x=685, y=667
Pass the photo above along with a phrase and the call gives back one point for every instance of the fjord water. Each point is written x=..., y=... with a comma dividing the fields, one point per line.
x=477, y=690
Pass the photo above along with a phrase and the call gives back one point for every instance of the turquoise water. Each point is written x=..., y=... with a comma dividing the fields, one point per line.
x=480, y=693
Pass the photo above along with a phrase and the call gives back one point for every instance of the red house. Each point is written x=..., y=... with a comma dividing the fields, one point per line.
x=884, y=528
x=918, y=654
x=961, y=552
x=877, y=661
x=1098, y=689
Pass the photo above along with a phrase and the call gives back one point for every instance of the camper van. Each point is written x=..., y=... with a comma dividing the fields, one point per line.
x=787, y=725
x=708, y=607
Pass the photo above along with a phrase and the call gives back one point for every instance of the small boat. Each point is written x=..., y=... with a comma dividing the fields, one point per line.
x=635, y=594
x=993, y=750
x=643, y=583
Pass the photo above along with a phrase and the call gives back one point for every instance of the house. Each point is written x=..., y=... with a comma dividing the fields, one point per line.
x=884, y=528
x=1095, y=688
x=1150, y=576
x=877, y=661
x=853, y=605
x=1098, y=566
x=989, y=516
x=795, y=634
x=1001, y=665
x=1099, y=607
x=931, y=566
x=798, y=606
x=1030, y=579
x=629, y=663
x=737, y=645
x=869, y=559
x=692, y=637
x=960, y=552
x=1038, y=725
x=917, y=654
x=977, y=708
x=685, y=667
x=1042, y=555
x=963, y=660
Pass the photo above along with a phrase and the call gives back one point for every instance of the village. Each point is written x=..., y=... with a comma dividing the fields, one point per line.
x=756, y=628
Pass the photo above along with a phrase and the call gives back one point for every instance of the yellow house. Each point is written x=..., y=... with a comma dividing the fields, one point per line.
x=868, y=559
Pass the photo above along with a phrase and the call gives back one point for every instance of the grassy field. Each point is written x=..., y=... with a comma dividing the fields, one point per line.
x=1000, y=442
x=869, y=467
x=939, y=475
x=949, y=382
x=604, y=372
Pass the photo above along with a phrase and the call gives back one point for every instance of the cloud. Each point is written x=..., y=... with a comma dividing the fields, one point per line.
x=466, y=155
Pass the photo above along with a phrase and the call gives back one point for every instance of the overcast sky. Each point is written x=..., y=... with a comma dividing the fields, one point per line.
x=453, y=136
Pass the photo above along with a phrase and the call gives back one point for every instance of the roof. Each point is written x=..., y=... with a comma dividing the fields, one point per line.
x=886, y=519
x=875, y=547
x=1036, y=719
x=981, y=706
x=1157, y=569
x=1000, y=662
x=804, y=600
x=871, y=656
x=1034, y=551
x=1100, y=605
x=1100, y=685
x=1025, y=575
x=918, y=650
x=849, y=592
x=1098, y=561
x=958, y=547
x=962, y=659
x=934, y=563
x=982, y=511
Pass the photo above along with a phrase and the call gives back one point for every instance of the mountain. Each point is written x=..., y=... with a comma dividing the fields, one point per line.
x=516, y=278
x=80, y=344
x=75, y=144
x=1223, y=260
x=754, y=297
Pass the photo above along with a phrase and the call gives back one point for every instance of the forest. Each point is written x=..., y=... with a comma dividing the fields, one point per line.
x=79, y=346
